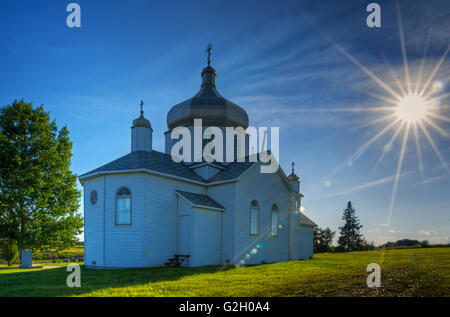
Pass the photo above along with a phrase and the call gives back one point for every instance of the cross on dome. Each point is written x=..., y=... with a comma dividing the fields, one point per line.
x=208, y=51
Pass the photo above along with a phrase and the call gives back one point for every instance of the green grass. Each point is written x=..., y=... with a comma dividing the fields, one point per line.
x=404, y=272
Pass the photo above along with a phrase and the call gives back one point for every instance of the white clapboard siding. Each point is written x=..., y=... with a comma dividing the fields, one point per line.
x=267, y=189
x=304, y=242
x=207, y=232
x=160, y=220
x=94, y=223
x=224, y=194
x=124, y=243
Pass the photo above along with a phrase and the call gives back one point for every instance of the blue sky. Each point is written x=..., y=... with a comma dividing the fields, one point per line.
x=273, y=58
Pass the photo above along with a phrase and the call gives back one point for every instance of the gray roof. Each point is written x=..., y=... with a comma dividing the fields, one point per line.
x=231, y=171
x=163, y=163
x=306, y=221
x=200, y=200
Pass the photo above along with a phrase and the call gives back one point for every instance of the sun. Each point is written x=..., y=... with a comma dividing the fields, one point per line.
x=412, y=108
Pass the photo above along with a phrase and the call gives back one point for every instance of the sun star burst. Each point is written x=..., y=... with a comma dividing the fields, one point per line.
x=412, y=108
x=409, y=109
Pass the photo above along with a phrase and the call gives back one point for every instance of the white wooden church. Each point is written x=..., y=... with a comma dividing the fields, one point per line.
x=144, y=209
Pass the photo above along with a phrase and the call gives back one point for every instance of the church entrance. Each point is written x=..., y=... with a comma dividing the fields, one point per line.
x=184, y=237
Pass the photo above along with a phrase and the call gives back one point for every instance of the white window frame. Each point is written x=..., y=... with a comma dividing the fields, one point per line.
x=123, y=193
x=254, y=208
x=276, y=212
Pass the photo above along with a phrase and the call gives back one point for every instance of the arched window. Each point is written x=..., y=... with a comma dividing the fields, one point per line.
x=123, y=206
x=274, y=220
x=254, y=218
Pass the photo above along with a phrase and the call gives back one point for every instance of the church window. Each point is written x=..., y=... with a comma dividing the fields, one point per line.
x=123, y=206
x=254, y=218
x=274, y=221
x=94, y=197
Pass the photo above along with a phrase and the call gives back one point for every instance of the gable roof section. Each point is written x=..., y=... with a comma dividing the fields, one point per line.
x=163, y=163
x=231, y=171
x=244, y=166
x=200, y=200
x=305, y=221
x=153, y=160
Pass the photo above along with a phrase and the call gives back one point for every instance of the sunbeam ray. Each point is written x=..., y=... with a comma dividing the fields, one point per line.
x=364, y=146
x=422, y=63
x=432, y=124
x=356, y=109
x=418, y=149
x=433, y=145
x=402, y=44
x=363, y=68
x=375, y=95
x=397, y=174
x=395, y=77
x=439, y=117
x=433, y=73
x=391, y=141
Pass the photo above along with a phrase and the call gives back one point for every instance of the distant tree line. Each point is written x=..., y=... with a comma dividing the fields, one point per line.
x=350, y=238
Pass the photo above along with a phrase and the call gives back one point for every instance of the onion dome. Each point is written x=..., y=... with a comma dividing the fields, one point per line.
x=293, y=177
x=208, y=105
x=141, y=121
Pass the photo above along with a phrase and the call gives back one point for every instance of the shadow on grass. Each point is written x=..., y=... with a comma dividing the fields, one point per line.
x=52, y=282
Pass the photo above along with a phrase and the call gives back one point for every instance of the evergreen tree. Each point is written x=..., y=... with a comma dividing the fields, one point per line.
x=38, y=196
x=350, y=238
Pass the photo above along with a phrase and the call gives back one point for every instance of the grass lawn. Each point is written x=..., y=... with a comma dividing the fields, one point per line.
x=405, y=272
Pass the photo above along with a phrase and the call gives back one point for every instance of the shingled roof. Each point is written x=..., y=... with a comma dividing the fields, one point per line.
x=200, y=200
x=163, y=163
x=306, y=221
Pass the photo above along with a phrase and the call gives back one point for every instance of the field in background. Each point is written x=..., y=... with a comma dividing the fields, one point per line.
x=404, y=272
x=74, y=254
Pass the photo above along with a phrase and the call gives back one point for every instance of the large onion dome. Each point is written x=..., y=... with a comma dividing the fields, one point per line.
x=208, y=105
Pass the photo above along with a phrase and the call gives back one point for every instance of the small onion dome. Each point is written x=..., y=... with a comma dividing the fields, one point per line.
x=141, y=122
x=208, y=105
x=293, y=177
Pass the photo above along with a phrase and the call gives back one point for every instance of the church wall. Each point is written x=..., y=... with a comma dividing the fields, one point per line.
x=207, y=237
x=303, y=242
x=93, y=222
x=266, y=189
x=160, y=221
x=224, y=194
x=124, y=243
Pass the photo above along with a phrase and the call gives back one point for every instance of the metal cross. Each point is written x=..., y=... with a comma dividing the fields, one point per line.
x=293, y=164
x=208, y=50
x=142, y=105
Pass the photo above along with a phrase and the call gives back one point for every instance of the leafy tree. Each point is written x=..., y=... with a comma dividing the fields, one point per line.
x=366, y=245
x=38, y=194
x=424, y=244
x=350, y=238
x=8, y=250
x=323, y=238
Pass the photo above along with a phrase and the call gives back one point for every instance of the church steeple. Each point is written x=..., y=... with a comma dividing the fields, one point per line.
x=141, y=133
x=208, y=105
x=209, y=74
x=294, y=179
